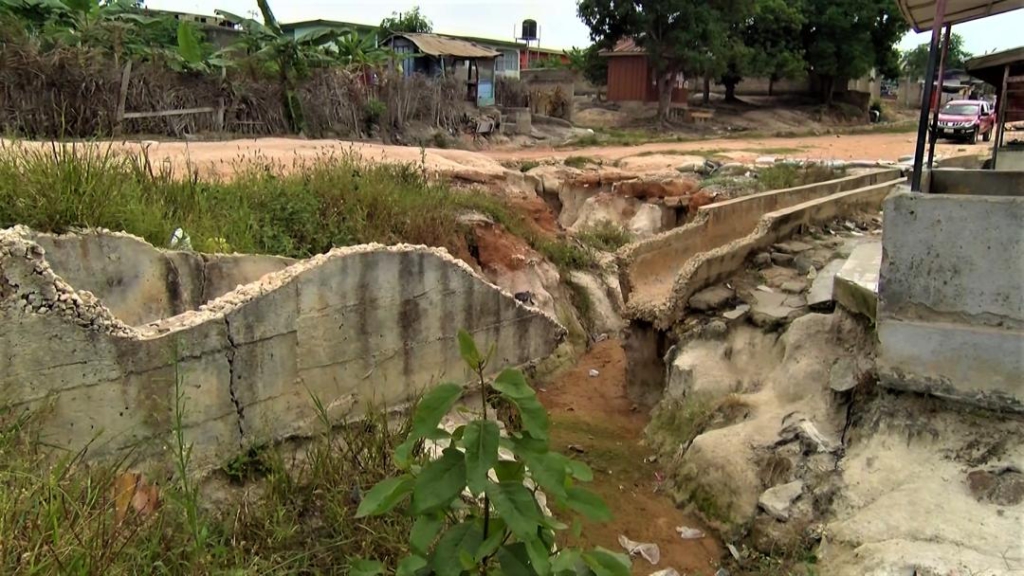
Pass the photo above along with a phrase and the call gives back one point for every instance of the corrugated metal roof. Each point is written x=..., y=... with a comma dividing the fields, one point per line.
x=921, y=13
x=990, y=66
x=624, y=47
x=435, y=45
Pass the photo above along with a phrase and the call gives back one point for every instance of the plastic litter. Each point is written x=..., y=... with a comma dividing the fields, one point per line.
x=687, y=533
x=594, y=373
x=180, y=240
x=646, y=550
x=665, y=572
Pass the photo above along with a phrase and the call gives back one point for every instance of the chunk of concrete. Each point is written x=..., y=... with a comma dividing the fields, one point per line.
x=782, y=259
x=842, y=377
x=856, y=284
x=711, y=298
x=777, y=501
x=769, y=309
x=792, y=247
x=737, y=312
x=820, y=295
x=794, y=286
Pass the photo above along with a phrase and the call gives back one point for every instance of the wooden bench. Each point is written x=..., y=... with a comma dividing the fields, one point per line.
x=697, y=116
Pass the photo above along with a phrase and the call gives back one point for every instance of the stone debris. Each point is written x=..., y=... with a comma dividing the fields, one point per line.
x=770, y=309
x=1000, y=484
x=737, y=312
x=777, y=501
x=711, y=298
x=646, y=550
x=781, y=258
x=763, y=260
x=794, y=286
x=809, y=436
x=842, y=377
x=792, y=247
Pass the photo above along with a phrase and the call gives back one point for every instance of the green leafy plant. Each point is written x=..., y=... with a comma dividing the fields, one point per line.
x=477, y=512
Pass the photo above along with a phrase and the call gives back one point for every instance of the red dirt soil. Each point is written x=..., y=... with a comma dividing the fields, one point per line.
x=594, y=415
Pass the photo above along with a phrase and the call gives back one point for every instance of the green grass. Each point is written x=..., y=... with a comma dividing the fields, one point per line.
x=580, y=161
x=59, y=515
x=780, y=176
x=332, y=200
x=605, y=236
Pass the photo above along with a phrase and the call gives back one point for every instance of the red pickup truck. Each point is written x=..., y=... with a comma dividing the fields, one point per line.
x=966, y=120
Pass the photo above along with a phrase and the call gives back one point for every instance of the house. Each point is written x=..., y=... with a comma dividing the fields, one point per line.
x=631, y=79
x=512, y=56
x=217, y=31
x=435, y=55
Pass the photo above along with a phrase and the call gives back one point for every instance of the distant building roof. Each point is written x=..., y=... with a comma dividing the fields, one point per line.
x=990, y=66
x=624, y=47
x=437, y=45
x=329, y=24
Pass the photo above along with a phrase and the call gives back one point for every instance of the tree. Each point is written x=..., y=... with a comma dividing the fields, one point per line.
x=589, y=63
x=845, y=39
x=412, y=21
x=914, y=62
x=773, y=37
x=678, y=36
x=290, y=57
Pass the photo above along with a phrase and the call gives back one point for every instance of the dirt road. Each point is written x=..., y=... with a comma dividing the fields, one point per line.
x=221, y=158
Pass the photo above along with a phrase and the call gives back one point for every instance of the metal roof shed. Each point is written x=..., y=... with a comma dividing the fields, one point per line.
x=1005, y=71
x=434, y=54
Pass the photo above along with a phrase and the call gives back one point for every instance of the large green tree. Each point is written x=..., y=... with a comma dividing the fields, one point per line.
x=845, y=39
x=679, y=36
x=773, y=37
x=915, y=61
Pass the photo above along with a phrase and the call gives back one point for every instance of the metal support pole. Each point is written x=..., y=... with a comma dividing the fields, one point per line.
x=929, y=79
x=1000, y=116
x=938, y=104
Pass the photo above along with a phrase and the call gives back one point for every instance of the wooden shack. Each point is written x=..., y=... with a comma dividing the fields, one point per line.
x=436, y=55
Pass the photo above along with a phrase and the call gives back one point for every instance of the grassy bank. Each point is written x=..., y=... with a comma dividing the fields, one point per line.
x=332, y=200
x=69, y=517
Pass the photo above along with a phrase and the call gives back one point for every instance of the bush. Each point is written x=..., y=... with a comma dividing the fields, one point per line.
x=781, y=176
x=606, y=236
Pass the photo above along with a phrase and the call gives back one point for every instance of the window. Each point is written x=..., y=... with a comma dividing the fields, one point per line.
x=507, y=62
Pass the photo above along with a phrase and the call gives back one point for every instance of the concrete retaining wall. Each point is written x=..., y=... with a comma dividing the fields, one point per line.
x=649, y=267
x=951, y=296
x=974, y=182
x=357, y=327
x=717, y=265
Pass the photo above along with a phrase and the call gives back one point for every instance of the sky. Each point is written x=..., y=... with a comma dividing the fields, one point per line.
x=559, y=25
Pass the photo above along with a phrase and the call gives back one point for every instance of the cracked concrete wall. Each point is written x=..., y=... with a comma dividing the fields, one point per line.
x=647, y=263
x=139, y=283
x=356, y=327
x=951, y=297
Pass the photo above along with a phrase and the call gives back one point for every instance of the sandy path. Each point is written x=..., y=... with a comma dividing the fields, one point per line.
x=220, y=158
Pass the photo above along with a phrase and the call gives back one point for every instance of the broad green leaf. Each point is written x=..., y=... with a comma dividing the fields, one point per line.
x=515, y=561
x=580, y=471
x=517, y=508
x=424, y=531
x=589, y=504
x=539, y=556
x=607, y=563
x=533, y=415
x=465, y=536
x=512, y=384
x=468, y=350
x=526, y=443
x=410, y=565
x=188, y=45
x=385, y=496
x=510, y=471
x=440, y=482
x=359, y=567
x=577, y=528
x=566, y=561
x=495, y=537
x=432, y=408
x=403, y=454
x=548, y=470
x=466, y=559
x=481, y=443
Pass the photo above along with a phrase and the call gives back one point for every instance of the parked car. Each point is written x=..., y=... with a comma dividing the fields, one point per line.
x=966, y=120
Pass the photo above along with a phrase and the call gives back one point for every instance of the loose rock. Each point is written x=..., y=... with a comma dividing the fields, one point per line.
x=778, y=500
x=711, y=298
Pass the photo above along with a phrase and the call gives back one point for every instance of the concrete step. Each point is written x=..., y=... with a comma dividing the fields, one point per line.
x=856, y=284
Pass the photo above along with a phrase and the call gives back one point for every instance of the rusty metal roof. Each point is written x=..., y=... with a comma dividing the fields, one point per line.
x=624, y=47
x=921, y=13
x=436, y=45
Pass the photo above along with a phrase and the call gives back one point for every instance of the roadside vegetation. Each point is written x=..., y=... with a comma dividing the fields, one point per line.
x=297, y=211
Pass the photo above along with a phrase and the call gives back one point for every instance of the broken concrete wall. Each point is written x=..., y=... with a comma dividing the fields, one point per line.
x=139, y=283
x=650, y=265
x=360, y=327
x=714, y=265
x=951, y=297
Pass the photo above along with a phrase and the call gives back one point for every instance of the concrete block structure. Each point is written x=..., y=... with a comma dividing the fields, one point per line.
x=247, y=342
x=951, y=293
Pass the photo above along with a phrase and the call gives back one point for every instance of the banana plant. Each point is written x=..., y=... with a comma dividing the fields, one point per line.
x=291, y=56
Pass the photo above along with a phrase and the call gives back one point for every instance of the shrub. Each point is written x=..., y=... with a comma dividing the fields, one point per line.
x=781, y=176
x=467, y=522
x=606, y=236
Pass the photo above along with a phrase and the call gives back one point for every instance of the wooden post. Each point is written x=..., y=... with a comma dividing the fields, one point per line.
x=1001, y=115
x=220, y=114
x=123, y=99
